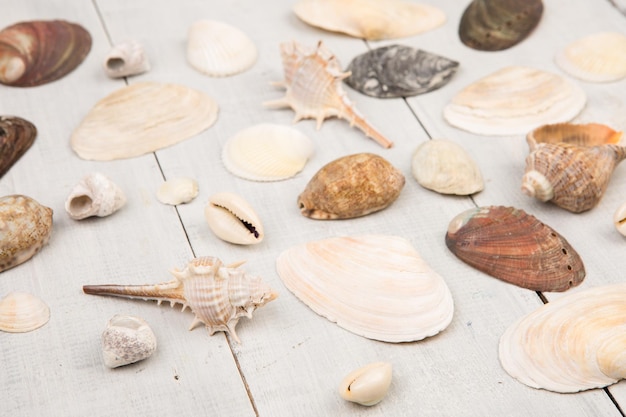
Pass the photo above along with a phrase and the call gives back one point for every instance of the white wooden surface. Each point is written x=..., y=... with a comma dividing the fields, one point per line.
x=290, y=360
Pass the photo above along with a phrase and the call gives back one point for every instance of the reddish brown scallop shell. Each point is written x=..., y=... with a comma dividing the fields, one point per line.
x=513, y=246
x=16, y=137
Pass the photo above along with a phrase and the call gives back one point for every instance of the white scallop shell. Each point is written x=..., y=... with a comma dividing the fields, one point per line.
x=514, y=100
x=218, y=49
x=367, y=385
x=126, y=340
x=94, y=195
x=177, y=191
x=443, y=166
x=267, y=152
x=22, y=312
x=233, y=219
x=600, y=57
x=124, y=59
x=375, y=286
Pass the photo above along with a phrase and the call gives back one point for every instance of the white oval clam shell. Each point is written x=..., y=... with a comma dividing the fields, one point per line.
x=445, y=167
x=367, y=385
x=126, y=340
x=177, y=191
x=219, y=49
x=267, y=152
x=233, y=219
x=95, y=195
x=22, y=312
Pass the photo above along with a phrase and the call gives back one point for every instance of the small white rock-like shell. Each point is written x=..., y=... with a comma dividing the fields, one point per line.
x=445, y=167
x=218, y=49
x=367, y=385
x=126, y=340
x=599, y=57
x=177, y=191
x=124, y=59
x=94, y=195
x=22, y=312
x=233, y=219
x=619, y=219
x=267, y=152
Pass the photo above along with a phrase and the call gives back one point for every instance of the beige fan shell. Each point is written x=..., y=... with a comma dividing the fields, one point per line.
x=22, y=312
x=142, y=118
x=514, y=100
x=573, y=344
x=370, y=19
x=375, y=286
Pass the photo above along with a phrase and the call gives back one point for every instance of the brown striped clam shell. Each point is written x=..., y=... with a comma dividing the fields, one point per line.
x=16, y=137
x=514, y=246
x=38, y=52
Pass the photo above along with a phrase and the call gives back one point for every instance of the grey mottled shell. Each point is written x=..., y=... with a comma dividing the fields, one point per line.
x=25, y=226
x=399, y=71
x=16, y=137
x=351, y=186
x=126, y=340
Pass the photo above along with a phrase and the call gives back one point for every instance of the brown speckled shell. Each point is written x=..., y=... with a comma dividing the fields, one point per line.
x=351, y=186
x=513, y=246
x=16, y=137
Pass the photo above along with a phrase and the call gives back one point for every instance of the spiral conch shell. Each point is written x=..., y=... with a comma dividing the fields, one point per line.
x=94, y=195
x=217, y=295
x=572, y=344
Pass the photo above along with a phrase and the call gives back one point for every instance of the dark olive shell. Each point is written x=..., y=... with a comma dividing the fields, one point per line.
x=511, y=245
x=38, y=52
x=494, y=25
x=399, y=71
x=16, y=137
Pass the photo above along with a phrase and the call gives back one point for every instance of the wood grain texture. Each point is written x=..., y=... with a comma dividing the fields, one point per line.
x=290, y=361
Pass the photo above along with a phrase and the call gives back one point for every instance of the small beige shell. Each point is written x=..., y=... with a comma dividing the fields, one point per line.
x=619, y=219
x=445, y=167
x=94, y=195
x=367, y=385
x=218, y=49
x=600, y=57
x=22, y=312
x=126, y=340
x=124, y=59
x=233, y=219
x=177, y=191
x=267, y=152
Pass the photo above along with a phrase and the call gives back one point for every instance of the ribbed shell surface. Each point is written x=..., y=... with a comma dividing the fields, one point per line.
x=16, y=136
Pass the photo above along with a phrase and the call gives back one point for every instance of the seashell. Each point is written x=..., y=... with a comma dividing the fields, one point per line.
x=367, y=385
x=375, y=286
x=351, y=186
x=25, y=226
x=142, y=118
x=41, y=51
x=590, y=134
x=399, y=71
x=494, y=25
x=94, y=195
x=233, y=219
x=571, y=176
x=443, y=166
x=572, y=344
x=370, y=19
x=515, y=247
x=313, y=82
x=600, y=57
x=22, y=312
x=619, y=219
x=125, y=59
x=267, y=152
x=514, y=100
x=177, y=191
x=126, y=340
x=16, y=137
x=217, y=295
x=218, y=49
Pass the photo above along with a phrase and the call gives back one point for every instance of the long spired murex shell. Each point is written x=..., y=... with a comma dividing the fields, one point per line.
x=217, y=295
x=142, y=118
x=515, y=247
x=494, y=25
x=370, y=19
x=95, y=195
x=514, y=100
x=41, y=51
x=16, y=137
x=25, y=227
x=375, y=286
x=399, y=71
x=571, y=176
x=22, y=312
x=313, y=79
x=572, y=344
x=233, y=219
x=351, y=186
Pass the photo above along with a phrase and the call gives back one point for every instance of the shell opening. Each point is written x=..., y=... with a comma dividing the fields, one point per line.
x=80, y=204
x=115, y=63
x=251, y=228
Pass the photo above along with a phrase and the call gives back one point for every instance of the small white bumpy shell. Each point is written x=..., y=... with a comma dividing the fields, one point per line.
x=177, y=191
x=21, y=312
x=94, y=195
x=233, y=219
x=367, y=385
x=126, y=59
x=126, y=340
